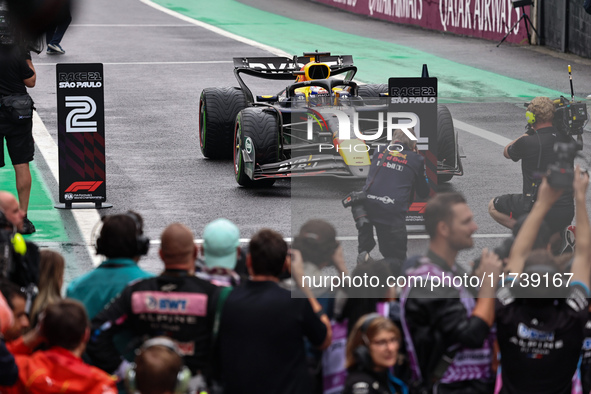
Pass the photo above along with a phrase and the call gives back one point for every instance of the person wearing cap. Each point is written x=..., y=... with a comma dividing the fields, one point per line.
x=176, y=304
x=221, y=250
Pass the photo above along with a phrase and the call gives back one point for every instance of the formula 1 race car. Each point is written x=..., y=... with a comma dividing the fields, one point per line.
x=286, y=135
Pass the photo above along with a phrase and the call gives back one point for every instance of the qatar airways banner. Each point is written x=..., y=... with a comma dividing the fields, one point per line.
x=489, y=19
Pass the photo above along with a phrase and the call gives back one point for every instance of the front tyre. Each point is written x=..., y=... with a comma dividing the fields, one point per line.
x=218, y=108
x=262, y=127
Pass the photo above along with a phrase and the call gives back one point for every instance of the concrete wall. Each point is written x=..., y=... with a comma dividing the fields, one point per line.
x=579, y=31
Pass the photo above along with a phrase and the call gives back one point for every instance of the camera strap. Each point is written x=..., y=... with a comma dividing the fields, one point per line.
x=444, y=362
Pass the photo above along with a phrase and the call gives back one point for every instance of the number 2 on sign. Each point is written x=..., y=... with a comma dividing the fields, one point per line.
x=84, y=108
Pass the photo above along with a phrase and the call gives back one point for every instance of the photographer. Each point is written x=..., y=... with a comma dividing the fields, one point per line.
x=16, y=112
x=536, y=151
x=262, y=327
x=319, y=248
x=396, y=172
x=540, y=325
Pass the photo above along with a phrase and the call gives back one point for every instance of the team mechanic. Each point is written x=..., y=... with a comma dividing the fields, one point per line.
x=535, y=149
x=18, y=74
x=175, y=304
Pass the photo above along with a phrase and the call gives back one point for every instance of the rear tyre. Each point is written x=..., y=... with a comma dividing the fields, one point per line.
x=262, y=127
x=446, y=141
x=372, y=90
x=218, y=108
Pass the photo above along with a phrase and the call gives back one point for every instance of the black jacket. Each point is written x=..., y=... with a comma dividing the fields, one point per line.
x=437, y=319
x=392, y=180
x=536, y=152
x=173, y=304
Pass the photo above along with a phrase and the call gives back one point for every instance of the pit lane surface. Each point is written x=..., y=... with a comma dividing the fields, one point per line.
x=156, y=66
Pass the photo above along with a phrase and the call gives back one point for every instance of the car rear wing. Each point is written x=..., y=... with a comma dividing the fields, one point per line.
x=283, y=68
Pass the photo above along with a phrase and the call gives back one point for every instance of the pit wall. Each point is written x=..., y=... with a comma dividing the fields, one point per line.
x=563, y=24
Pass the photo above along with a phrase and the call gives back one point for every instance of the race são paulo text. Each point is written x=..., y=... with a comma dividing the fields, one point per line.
x=434, y=282
x=96, y=84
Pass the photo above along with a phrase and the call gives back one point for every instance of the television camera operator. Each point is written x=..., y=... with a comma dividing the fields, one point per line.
x=537, y=152
x=540, y=325
x=19, y=259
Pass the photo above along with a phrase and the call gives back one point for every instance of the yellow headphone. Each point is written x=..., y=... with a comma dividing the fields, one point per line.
x=530, y=116
x=18, y=242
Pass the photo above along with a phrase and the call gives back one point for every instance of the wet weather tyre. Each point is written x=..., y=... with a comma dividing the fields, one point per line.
x=262, y=126
x=447, y=150
x=372, y=90
x=218, y=108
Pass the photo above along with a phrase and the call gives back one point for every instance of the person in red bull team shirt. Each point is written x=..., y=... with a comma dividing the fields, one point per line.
x=397, y=171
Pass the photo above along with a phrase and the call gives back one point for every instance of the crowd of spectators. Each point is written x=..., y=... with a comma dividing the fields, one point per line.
x=221, y=318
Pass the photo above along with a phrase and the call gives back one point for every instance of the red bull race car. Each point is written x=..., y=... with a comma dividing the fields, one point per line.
x=322, y=124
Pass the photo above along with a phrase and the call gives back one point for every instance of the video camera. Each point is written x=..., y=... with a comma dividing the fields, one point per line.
x=570, y=117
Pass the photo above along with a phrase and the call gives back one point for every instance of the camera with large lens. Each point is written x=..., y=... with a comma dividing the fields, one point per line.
x=354, y=198
x=570, y=117
x=561, y=174
x=502, y=251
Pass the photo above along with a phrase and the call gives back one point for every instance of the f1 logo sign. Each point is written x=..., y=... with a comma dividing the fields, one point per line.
x=84, y=108
x=88, y=186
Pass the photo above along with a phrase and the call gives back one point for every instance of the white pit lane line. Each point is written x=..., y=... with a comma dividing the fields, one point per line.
x=217, y=30
x=487, y=135
x=86, y=219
